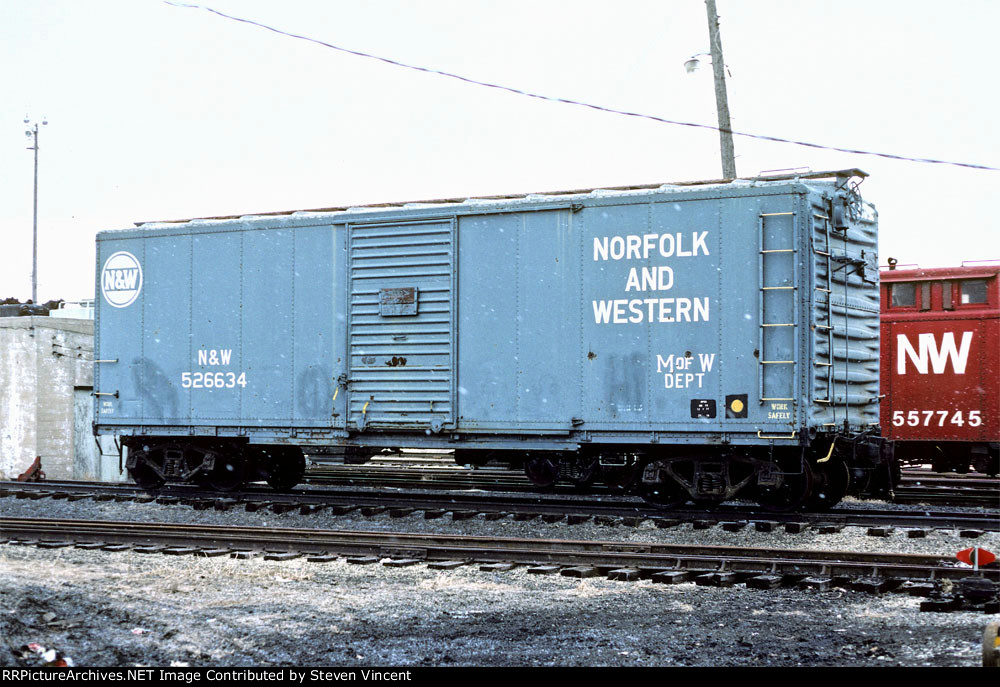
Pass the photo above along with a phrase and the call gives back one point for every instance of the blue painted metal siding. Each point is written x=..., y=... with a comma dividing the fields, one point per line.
x=215, y=324
x=630, y=337
x=163, y=339
x=735, y=312
x=231, y=328
x=519, y=327
x=587, y=330
x=316, y=332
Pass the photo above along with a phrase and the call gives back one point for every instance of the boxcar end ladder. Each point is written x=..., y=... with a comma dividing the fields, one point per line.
x=786, y=315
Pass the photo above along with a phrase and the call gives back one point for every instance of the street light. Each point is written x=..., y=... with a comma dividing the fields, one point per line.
x=692, y=63
x=32, y=133
x=721, y=99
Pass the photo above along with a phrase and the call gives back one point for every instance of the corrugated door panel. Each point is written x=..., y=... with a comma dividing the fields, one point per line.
x=401, y=315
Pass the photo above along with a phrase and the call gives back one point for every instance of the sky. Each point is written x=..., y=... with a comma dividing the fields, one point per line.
x=158, y=112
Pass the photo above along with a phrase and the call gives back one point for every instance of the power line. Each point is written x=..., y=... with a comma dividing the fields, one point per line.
x=578, y=103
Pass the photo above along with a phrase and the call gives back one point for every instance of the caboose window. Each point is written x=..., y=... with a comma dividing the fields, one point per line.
x=974, y=291
x=904, y=295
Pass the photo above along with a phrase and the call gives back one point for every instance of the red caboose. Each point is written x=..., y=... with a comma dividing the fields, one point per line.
x=940, y=365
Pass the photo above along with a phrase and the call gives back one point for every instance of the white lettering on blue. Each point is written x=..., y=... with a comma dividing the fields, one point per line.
x=639, y=247
x=651, y=310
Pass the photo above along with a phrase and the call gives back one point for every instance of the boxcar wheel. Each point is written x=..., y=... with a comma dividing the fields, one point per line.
x=145, y=477
x=792, y=494
x=988, y=464
x=286, y=468
x=619, y=477
x=543, y=471
x=664, y=495
x=658, y=487
x=831, y=482
x=228, y=472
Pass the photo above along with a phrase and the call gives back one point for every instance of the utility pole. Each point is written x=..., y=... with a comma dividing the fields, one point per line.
x=721, y=100
x=32, y=133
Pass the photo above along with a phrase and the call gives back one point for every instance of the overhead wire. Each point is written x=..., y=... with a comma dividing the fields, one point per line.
x=578, y=103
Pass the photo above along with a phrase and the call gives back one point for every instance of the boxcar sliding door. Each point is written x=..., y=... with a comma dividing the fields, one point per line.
x=401, y=325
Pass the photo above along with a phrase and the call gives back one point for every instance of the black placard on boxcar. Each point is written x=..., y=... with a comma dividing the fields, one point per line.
x=736, y=405
x=702, y=407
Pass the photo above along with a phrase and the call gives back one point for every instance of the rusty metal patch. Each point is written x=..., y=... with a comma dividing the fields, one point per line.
x=396, y=302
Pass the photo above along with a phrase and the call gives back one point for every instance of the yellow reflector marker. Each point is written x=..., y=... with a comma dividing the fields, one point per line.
x=737, y=406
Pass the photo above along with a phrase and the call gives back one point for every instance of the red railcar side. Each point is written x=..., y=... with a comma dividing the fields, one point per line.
x=940, y=365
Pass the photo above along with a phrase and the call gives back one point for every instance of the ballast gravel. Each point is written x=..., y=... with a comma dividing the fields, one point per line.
x=129, y=609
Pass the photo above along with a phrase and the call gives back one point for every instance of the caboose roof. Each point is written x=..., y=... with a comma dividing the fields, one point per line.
x=940, y=273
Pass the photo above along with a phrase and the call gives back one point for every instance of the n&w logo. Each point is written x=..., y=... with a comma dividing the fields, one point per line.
x=928, y=351
x=121, y=279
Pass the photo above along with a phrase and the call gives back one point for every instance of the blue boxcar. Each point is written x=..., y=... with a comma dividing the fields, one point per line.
x=695, y=340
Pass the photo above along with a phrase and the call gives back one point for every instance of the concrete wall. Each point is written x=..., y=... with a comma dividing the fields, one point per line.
x=95, y=460
x=46, y=373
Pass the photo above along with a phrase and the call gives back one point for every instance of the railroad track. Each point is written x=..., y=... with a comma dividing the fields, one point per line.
x=577, y=508
x=958, y=495
x=920, y=487
x=716, y=565
x=925, y=474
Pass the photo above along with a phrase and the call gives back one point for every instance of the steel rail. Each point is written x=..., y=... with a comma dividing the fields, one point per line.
x=954, y=495
x=939, y=489
x=524, y=504
x=948, y=491
x=440, y=547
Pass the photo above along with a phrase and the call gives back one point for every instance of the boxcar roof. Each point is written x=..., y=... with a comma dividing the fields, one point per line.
x=529, y=198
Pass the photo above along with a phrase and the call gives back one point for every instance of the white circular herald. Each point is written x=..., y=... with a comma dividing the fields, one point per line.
x=121, y=279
